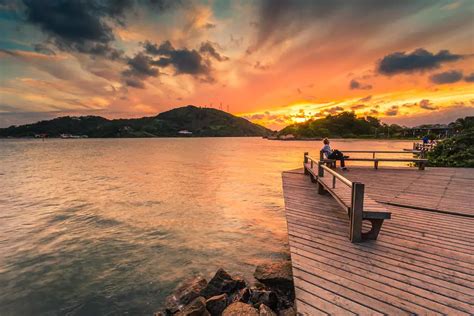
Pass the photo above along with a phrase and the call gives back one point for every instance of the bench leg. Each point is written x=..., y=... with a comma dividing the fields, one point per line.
x=421, y=166
x=376, y=164
x=313, y=179
x=374, y=231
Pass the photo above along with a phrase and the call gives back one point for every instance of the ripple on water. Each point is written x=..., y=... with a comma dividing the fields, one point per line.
x=102, y=226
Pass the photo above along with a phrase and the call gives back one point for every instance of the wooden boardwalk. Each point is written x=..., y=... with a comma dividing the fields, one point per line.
x=421, y=263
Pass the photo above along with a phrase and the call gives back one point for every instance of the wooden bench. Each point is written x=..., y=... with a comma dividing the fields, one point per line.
x=421, y=162
x=350, y=195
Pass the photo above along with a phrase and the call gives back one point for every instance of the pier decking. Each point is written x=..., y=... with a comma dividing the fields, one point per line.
x=422, y=261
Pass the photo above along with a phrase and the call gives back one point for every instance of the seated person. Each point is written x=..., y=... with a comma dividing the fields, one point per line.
x=333, y=154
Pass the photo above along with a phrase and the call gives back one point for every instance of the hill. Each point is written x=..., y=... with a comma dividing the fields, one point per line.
x=345, y=125
x=203, y=122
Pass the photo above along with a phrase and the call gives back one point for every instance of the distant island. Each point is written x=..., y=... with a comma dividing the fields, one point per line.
x=187, y=121
x=348, y=125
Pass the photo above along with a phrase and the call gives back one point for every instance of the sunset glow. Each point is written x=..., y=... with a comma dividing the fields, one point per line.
x=275, y=63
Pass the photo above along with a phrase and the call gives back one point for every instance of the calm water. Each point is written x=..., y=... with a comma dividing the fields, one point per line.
x=102, y=226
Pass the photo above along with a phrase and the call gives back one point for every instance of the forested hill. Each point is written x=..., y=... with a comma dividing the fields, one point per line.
x=198, y=121
x=344, y=124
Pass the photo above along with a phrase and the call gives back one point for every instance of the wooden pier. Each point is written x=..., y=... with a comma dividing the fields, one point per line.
x=421, y=263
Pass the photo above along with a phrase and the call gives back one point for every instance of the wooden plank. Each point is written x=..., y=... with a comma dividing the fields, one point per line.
x=422, y=262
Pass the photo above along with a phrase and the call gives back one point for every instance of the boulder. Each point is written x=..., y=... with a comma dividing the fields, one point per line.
x=221, y=283
x=275, y=275
x=196, y=308
x=240, y=309
x=278, y=277
x=287, y=312
x=216, y=304
x=184, y=294
x=264, y=310
x=259, y=297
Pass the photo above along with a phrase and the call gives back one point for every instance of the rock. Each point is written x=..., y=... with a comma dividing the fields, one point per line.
x=287, y=312
x=184, y=294
x=278, y=277
x=240, y=309
x=221, y=283
x=196, y=308
x=216, y=304
x=264, y=310
x=259, y=297
x=242, y=295
x=275, y=275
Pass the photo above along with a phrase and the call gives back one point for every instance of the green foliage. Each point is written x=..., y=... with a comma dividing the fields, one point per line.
x=457, y=151
x=344, y=124
x=462, y=124
x=199, y=121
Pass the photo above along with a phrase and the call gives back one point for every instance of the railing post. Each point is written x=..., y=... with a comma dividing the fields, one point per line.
x=320, y=170
x=357, y=210
x=321, y=155
x=333, y=182
x=305, y=161
x=321, y=189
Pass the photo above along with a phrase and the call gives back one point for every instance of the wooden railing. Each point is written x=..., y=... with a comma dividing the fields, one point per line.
x=420, y=160
x=374, y=152
x=356, y=207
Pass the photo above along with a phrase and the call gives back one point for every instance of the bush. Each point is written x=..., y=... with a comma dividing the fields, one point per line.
x=457, y=151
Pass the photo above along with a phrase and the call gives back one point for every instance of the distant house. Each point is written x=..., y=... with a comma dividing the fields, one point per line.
x=287, y=136
x=185, y=132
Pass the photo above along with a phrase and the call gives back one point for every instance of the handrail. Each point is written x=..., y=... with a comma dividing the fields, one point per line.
x=356, y=209
x=322, y=167
x=373, y=152
x=336, y=175
x=382, y=151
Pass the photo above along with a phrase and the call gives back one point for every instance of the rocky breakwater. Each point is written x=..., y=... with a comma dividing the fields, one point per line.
x=272, y=294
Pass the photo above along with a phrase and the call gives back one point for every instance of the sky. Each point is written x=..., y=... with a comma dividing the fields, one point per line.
x=274, y=62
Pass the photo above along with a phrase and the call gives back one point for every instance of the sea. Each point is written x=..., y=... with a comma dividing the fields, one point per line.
x=112, y=226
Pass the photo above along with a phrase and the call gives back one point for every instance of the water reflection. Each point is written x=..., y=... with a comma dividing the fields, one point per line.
x=111, y=226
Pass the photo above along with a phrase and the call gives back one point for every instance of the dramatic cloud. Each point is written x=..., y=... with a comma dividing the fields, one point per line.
x=57, y=54
x=333, y=110
x=469, y=78
x=427, y=105
x=447, y=77
x=79, y=25
x=357, y=106
x=140, y=67
x=366, y=99
x=184, y=61
x=392, y=111
x=134, y=83
x=281, y=20
x=354, y=84
x=418, y=60
x=43, y=49
x=209, y=49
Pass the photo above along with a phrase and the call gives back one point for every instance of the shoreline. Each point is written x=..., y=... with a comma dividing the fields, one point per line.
x=271, y=293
